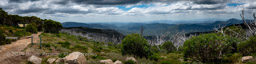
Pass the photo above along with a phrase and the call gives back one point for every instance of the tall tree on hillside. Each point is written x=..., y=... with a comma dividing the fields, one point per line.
x=52, y=26
x=3, y=16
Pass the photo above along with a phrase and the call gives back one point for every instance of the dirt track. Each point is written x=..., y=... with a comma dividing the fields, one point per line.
x=6, y=51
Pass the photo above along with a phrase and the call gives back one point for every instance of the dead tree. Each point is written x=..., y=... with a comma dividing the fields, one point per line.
x=220, y=29
x=178, y=39
x=160, y=39
x=251, y=25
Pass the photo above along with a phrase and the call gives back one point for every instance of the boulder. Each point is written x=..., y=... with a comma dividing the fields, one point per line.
x=118, y=62
x=51, y=60
x=246, y=58
x=75, y=58
x=35, y=59
x=131, y=58
x=108, y=61
x=59, y=61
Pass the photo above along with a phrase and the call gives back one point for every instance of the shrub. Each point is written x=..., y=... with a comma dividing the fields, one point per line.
x=166, y=62
x=31, y=28
x=155, y=57
x=248, y=47
x=232, y=58
x=209, y=48
x=136, y=45
x=46, y=45
x=62, y=55
x=80, y=48
x=21, y=33
x=234, y=30
x=169, y=47
x=129, y=62
x=64, y=44
x=2, y=38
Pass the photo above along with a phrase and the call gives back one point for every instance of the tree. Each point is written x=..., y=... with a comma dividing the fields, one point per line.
x=2, y=38
x=169, y=47
x=209, y=47
x=3, y=16
x=31, y=28
x=136, y=45
x=52, y=26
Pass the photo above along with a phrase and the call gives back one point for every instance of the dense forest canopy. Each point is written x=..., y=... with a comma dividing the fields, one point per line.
x=14, y=20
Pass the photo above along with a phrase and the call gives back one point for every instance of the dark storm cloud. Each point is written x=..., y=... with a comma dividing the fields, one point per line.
x=107, y=2
x=251, y=7
x=20, y=1
x=123, y=2
x=111, y=2
x=209, y=1
x=67, y=10
x=30, y=10
x=211, y=8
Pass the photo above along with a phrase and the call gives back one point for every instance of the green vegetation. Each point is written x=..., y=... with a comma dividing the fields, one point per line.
x=52, y=26
x=31, y=28
x=20, y=26
x=209, y=48
x=248, y=47
x=64, y=44
x=169, y=47
x=2, y=38
x=135, y=44
x=130, y=62
x=21, y=33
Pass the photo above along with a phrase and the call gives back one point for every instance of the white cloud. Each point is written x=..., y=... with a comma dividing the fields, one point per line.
x=178, y=10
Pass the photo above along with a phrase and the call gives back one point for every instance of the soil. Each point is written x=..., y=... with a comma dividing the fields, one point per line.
x=11, y=53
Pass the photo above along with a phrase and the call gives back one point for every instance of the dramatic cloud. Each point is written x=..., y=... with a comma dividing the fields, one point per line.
x=128, y=10
x=210, y=1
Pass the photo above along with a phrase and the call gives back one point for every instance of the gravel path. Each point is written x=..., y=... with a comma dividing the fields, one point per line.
x=7, y=51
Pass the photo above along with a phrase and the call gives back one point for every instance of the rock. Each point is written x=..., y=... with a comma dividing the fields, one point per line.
x=246, y=58
x=131, y=58
x=108, y=61
x=51, y=60
x=59, y=61
x=75, y=58
x=35, y=59
x=118, y=62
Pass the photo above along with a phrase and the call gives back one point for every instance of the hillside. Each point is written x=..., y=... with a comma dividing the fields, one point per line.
x=101, y=35
x=151, y=29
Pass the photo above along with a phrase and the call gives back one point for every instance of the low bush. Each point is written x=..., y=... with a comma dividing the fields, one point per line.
x=136, y=45
x=129, y=62
x=209, y=48
x=169, y=47
x=232, y=58
x=154, y=57
x=166, y=62
x=62, y=55
x=2, y=38
x=21, y=33
x=65, y=44
x=78, y=47
x=248, y=47
x=31, y=28
x=46, y=45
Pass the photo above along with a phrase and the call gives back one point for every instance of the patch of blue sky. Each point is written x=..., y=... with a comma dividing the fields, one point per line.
x=234, y=4
x=123, y=7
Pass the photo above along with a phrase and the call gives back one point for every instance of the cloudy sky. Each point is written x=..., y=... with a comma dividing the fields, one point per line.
x=129, y=10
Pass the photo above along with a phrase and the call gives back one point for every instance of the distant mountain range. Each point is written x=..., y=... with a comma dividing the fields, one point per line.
x=156, y=28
